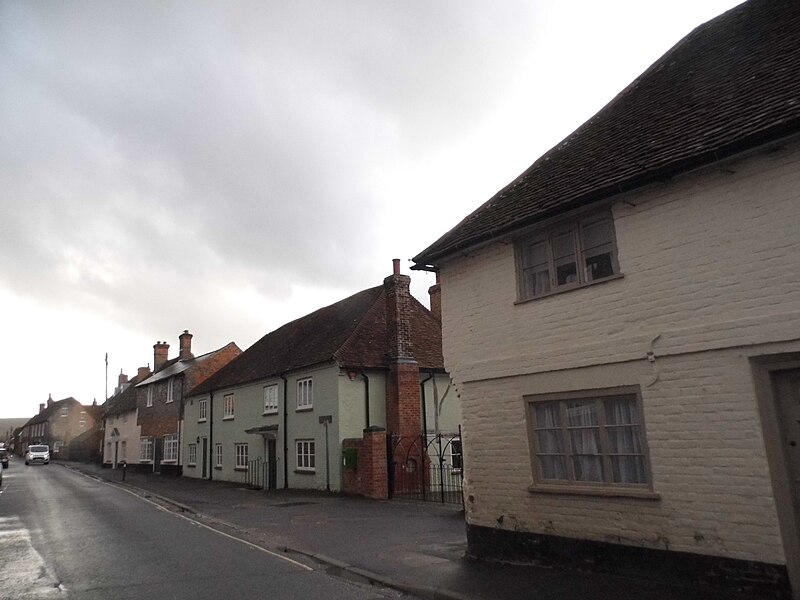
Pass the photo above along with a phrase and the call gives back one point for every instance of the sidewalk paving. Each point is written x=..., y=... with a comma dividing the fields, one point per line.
x=414, y=547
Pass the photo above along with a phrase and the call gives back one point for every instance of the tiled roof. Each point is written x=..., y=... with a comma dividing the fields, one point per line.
x=351, y=332
x=176, y=366
x=730, y=85
x=124, y=401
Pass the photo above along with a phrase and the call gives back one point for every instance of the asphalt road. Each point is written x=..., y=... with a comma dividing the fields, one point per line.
x=66, y=535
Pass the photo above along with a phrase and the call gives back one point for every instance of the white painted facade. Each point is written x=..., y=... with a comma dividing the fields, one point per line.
x=335, y=395
x=121, y=439
x=710, y=264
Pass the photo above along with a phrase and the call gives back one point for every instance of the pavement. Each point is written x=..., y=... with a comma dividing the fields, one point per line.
x=414, y=547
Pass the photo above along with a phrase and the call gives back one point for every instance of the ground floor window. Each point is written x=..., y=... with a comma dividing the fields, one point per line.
x=241, y=456
x=192, y=454
x=305, y=455
x=594, y=437
x=455, y=454
x=123, y=452
x=170, y=453
x=218, y=456
x=146, y=449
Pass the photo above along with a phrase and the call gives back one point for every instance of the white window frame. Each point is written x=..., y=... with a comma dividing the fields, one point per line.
x=305, y=393
x=562, y=432
x=192, y=459
x=218, y=456
x=169, y=450
x=149, y=390
x=146, y=449
x=170, y=397
x=271, y=399
x=242, y=456
x=456, y=454
x=546, y=237
x=228, y=407
x=202, y=410
x=306, y=455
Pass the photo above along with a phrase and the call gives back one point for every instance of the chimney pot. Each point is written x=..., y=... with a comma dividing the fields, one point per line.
x=396, y=266
x=185, y=340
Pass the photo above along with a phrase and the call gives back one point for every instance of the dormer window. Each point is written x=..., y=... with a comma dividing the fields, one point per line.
x=567, y=255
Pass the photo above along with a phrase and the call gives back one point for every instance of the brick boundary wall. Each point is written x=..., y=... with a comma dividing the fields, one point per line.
x=371, y=477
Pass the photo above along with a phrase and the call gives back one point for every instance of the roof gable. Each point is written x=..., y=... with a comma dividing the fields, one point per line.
x=730, y=85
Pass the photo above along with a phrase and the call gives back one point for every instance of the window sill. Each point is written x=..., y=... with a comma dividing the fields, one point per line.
x=202, y=420
x=218, y=468
x=227, y=418
x=605, y=491
x=267, y=413
x=192, y=465
x=303, y=409
x=305, y=471
x=169, y=462
x=240, y=468
x=571, y=288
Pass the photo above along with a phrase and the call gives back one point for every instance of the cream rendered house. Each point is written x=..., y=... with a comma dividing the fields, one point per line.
x=277, y=415
x=623, y=324
x=121, y=433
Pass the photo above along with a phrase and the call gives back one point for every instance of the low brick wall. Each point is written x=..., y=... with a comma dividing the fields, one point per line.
x=370, y=478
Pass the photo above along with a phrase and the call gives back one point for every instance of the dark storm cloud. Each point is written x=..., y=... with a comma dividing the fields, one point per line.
x=191, y=141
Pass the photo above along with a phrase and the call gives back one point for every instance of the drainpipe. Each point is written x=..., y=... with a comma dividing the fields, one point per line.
x=210, y=435
x=424, y=407
x=366, y=398
x=285, y=435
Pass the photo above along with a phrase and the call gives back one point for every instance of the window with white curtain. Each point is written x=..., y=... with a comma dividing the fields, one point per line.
x=593, y=438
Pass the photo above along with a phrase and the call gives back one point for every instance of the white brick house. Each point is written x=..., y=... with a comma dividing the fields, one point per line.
x=623, y=324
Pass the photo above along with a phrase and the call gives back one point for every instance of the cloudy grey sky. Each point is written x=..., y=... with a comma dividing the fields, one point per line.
x=228, y=167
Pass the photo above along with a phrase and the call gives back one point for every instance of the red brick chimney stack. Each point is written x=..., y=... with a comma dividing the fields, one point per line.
x=142, y=373
x=403, y=416
x=41, y=407
x=435, y=292
x=122, y=378
x=160, y=353
x=186, y=345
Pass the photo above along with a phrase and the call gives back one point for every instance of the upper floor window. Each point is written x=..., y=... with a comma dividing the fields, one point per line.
x=227, y=406
x=588, y=439
x=270, y=398
x=169, y=391
x=202, y=410
x=149, y=395
x=305, y=393
x=567, y=255
x=64, y=411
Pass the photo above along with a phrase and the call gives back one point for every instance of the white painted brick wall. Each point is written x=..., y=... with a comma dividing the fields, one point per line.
x=711, y=264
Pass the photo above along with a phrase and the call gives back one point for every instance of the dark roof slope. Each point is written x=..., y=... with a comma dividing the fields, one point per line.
x=124, y=401
x=351, y=332
x=730, y=85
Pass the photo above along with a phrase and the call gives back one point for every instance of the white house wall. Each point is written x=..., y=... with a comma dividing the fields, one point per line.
x=129, y=432
x=709, y=264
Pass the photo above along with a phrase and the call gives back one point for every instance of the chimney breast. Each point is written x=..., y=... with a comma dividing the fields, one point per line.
x=186, y=345
x=160, y=353
x=435, y=292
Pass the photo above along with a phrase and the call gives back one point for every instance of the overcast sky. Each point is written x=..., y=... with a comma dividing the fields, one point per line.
x=228, y=167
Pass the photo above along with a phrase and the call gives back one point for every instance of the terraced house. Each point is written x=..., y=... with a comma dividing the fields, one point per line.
x=623, y=324
x=345, y=373
x=160, y=400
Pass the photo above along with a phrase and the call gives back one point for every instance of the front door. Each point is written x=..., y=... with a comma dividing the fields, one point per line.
x=205, y=458
x=787, y=387
x=272, y=465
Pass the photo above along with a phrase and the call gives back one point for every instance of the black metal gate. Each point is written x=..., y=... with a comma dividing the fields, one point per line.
x=426, y=467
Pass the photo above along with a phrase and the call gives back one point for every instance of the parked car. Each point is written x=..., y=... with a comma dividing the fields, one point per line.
x=39, y=453
x=4, y=458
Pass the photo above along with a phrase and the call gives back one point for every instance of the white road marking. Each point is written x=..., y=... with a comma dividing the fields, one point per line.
x=199, y=524
x=24, y=573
